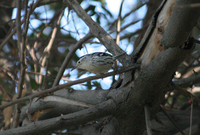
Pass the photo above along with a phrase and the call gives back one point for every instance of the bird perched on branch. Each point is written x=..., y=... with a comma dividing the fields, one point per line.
x=98, y=62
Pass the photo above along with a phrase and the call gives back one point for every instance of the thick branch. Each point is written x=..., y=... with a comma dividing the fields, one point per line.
x=186, y=82
x=60, y=103
x=181, y=23
x=149, y=89
x=65, y=121
x=87, y=96
x=98, y=32
x=51, y=106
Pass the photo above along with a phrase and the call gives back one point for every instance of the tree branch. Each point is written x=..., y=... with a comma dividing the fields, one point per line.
x=178, y=24
x=172, y=121
x=106, y=108
x=56, y=88
x=186, y=93
x=51, y=106
x=87, y=96
x=15, y=29
x=49, y=46
x=147, y=120
x=69, y=56
x=98, y=32
x=187, y=82
x=22, y=47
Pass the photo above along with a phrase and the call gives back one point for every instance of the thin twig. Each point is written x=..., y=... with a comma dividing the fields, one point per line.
x=126, y=26
x=134, y=33
x=26, y=26
x=195, y=5
x=5, y=93
x=29, y=116
x=49, y=46
x=172, y=121
x=49, y=2
x=191, y=114
x=148, y=120
x=22, y=64
x=69, y=56
x=127, y=14
x=119, y=23
x=56, y=88
x=196, y=40
x=8, y=38
x=33, y=54
x=72, y=15
x=45, y=76
x=37, y=73
x=117, y=35
x=186, y=93
x=5, y=6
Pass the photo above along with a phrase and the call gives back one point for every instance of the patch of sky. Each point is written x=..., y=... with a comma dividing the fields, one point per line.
x=72, y=24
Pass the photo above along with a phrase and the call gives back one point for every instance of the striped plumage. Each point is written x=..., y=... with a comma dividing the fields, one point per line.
x=98, y=62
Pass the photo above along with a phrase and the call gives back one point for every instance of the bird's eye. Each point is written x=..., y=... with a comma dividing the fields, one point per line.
x=79, y=62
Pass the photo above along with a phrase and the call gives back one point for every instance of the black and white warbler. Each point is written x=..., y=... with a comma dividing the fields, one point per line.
x=98, y=62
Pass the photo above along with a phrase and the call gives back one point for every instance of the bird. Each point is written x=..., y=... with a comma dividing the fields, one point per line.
x=97, y=63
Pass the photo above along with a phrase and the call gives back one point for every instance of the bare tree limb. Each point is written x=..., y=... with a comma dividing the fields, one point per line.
x=148, y=120
x=119, y=23
x=126, y=26
x=22, y=46
x=191, y=115
x=98, y=32
x=186, y=93
x=49, y=46
x=129, y=13
x=172, y=121
x=189, y=14
x=117, y=34
x=187, y=82
x=26, y=26
x=52, y=106
x=64, y=102
x=64, y=121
